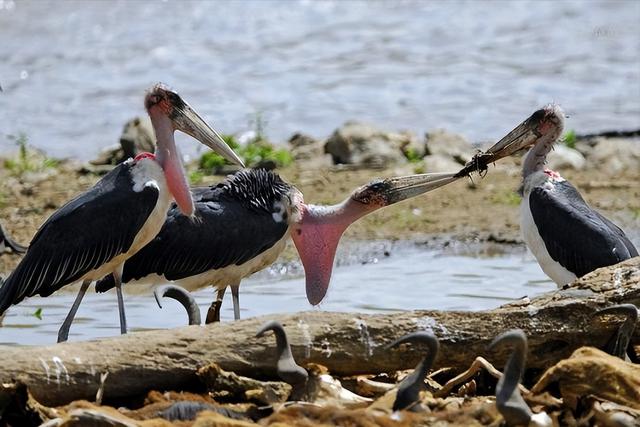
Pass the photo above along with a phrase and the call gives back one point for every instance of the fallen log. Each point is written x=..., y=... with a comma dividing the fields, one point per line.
x=556, y=324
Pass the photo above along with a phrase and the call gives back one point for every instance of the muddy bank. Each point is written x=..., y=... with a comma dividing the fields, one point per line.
x=485, y=208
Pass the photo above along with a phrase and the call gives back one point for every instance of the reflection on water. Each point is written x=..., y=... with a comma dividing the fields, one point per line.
x=73, y=71
x=410, y=278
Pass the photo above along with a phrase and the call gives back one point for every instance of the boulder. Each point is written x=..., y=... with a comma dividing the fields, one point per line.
x=308, y=150
x=137, y=136
x=298, y=140
x=449, y=144
x=616, y=155
x=365, y=145
x=563, y=157
x=440, y=163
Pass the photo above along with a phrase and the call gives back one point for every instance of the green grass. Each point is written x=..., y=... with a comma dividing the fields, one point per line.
x=570, y=139
x=419, y=168
x=27, y=160
x=196, y=177
x=255, y=152
x=635, y=213
x=510, y=198
x=412, y=155
x=38, y=313
x=258, y=150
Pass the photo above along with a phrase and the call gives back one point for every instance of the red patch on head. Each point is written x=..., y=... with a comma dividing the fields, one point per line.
x=145, y=155
x=552, y=174
x=165, y=106
x=545, y=126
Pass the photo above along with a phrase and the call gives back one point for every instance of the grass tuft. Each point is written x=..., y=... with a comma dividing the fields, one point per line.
x=27, y=160
x=412, y=155
x=570, y=139
x=509, y=198
x=257, y=151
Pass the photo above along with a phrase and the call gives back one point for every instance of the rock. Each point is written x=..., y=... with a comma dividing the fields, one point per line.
x=584, y=148
x=616, y=155
x=308, y=150
x=590, y=371
x=137, y=136
x=362, y=144
x=440, y=163
x=107, y=156
x=448, y=144
x=298, y=140
x=563, y=157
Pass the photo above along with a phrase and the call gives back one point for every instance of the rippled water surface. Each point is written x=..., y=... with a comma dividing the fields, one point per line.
x=409, y=278
x=74, y=71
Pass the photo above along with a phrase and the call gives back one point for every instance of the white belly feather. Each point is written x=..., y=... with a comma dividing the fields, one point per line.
x=219, y=278
x=536, y=245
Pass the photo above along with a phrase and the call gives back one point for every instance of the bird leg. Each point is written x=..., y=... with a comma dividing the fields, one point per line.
x=63, y=332
x=235, y=291
x=117, y=278
x=213, y=314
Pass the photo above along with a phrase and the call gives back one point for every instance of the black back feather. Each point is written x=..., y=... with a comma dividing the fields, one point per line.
x=84, y=234
x=233, y=223
x=575, y=235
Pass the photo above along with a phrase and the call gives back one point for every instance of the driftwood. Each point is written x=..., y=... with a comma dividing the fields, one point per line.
x=556, y=324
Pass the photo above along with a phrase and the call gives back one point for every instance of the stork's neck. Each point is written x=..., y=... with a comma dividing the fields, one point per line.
x=165, y=145
x=536, y=157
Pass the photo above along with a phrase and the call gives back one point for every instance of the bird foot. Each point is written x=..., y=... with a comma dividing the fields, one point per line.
x=213, y=314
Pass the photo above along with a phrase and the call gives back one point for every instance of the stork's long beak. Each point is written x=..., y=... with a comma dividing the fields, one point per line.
x=547, y=121
x=317, y=234
x=186, y=120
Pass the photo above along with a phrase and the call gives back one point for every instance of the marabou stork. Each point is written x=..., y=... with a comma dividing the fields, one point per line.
x=243, y=225
x=95, y=233
x=8, y=242
x=568, y=238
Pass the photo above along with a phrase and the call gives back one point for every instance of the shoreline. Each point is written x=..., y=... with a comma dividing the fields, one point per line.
x=482, y=210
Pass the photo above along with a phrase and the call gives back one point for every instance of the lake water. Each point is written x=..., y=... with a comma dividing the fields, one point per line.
x=464, y=277
x=74, y=71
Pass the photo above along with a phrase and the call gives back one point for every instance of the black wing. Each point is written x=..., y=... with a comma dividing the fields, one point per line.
x=633, y=252
x=224, y=232
x=10, y=243
x=81, y=236
x=576, y=236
